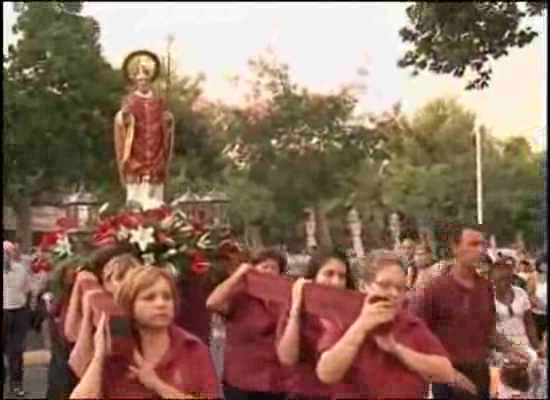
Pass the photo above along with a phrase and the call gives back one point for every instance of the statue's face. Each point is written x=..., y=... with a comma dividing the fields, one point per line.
x=143, y=80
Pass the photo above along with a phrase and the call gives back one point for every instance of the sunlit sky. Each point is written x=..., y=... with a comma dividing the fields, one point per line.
x=324, y=45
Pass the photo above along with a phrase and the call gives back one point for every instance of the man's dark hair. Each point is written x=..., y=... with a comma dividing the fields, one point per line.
x=271, y=254
x=456, y=229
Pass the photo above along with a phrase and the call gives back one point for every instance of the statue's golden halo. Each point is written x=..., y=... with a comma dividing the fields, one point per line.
x=136, y=58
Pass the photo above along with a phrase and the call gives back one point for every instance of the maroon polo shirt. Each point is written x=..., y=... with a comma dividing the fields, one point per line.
x=376, y=374
x=301, y=378
x=186, y=366
x=250, y=361
x=462, y=318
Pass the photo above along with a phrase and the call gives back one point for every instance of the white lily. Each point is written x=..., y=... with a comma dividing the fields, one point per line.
x=171, y=252
x=63, y=246
x=143, y=237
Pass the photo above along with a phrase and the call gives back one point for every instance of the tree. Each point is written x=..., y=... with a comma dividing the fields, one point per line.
x=59, y=99
x=303, y=146
x=431, y=176
x=465, y=37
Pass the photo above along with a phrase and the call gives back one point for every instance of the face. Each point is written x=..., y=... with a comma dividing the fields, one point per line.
x=268, y=266
x=332, y=273
x=502, y=277
x=390, y=282
x=470, y=248
x=112, y=282
x=421, y=257
x=407, y=247
x=154, y=307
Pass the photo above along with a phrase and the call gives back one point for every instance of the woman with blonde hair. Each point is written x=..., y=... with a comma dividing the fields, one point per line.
x=167, y=361
x=112, y=276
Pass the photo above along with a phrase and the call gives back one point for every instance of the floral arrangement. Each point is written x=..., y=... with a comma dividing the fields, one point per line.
x=53, y=248
x=162, y=236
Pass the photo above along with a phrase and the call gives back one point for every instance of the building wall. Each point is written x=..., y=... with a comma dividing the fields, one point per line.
x=43, y=218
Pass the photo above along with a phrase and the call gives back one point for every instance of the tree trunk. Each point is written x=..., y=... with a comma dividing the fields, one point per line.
x=22, y=210
x=323, y=230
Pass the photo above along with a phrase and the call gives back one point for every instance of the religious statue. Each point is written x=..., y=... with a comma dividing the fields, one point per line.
x=143, y=134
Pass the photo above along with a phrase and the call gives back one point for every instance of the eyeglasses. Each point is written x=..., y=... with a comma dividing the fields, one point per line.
x=388, y=286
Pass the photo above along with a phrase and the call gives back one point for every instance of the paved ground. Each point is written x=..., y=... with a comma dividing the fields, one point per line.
x=34, y=382
x=35, y=374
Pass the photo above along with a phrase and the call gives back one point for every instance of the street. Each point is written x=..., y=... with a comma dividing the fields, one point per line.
x=35, y=375
x=34, y=383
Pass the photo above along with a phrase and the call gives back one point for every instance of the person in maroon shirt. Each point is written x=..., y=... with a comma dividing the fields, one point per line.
x=387, y=353
x=251, y=368
x=167, y=362
x=298, y=333
x=459, y=309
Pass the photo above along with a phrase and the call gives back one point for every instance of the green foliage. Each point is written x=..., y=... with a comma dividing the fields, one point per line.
x=303, y=146
x=60, y=96
x=432, y=174
x=465, y=37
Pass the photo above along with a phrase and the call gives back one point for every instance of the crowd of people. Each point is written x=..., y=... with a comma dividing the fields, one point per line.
x=446, y=329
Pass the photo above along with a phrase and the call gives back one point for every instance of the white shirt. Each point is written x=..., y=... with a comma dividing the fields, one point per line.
x=17, y=286
x=540, y=295
x=513, y=326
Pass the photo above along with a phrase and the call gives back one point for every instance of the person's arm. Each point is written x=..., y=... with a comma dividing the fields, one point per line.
x=220, y=299
x=90, y=385
x=335, y=362
x=432, y=368
x=531, y=330
x=288, y=347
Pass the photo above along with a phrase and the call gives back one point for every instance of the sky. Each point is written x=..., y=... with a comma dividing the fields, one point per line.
x=324, y=45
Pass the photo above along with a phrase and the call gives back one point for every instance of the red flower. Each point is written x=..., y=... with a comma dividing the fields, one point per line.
x=40, y=264
x=48, y=239
x=199, y=263
x=104, y=232
x=158, y=214
x=130, y=220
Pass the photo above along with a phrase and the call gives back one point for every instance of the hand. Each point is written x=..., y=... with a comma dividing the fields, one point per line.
x=375, y=314
x=102, y=339
x=386, y=343
x=297, y=294
x=243, y=269
x=144, y=372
